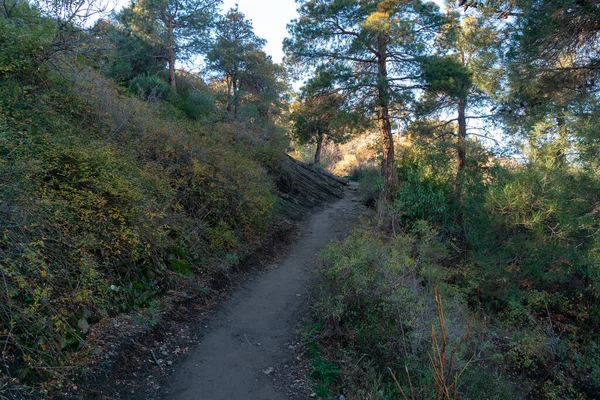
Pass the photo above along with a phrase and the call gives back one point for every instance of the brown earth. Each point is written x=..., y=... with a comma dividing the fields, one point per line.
x=247, y=344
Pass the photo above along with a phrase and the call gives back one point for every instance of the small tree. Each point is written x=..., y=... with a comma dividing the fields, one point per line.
x=182, y=27
x=320, y=116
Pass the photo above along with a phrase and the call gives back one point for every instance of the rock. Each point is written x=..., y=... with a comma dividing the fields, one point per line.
x=304, y=187
x=313, y=396
x=268, y=371
x=83, y=325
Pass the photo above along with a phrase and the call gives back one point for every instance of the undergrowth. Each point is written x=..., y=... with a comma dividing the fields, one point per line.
x=108, y=200
x=517, y=257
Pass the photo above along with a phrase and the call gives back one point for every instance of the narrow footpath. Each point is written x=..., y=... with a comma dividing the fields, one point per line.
x=245, y=341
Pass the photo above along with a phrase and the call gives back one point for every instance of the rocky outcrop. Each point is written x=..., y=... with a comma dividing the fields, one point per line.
x=303, y=187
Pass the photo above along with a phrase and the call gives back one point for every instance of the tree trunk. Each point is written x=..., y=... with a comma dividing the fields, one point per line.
x=563, y=141
x=229, y=95
x=383, y=115
x=171, y=56
x=461, y=150
x=319, y=148
x=235, y=99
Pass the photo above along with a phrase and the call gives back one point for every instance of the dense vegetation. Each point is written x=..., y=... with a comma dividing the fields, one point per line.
x=116, y=186
x=124, y=177
x=477, y=277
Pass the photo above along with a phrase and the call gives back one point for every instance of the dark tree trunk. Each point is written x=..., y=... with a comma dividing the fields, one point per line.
x=235, y=99
x=383, y=115
x=229, y=95
x=461, y=150
x=319, y=148
x=563, y=140
x=171, y=56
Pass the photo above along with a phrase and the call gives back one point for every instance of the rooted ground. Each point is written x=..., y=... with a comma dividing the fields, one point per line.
x=246, y=344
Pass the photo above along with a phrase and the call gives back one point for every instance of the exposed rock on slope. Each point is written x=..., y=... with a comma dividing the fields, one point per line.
x=303, y=187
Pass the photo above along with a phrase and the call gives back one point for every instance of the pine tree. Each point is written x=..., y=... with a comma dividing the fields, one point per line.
x=464, y=72
x=182, y=27
x=238, y=57
x=320, y=115
x=369, y=49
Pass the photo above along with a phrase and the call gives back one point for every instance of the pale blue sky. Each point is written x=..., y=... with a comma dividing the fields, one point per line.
x=269, y=18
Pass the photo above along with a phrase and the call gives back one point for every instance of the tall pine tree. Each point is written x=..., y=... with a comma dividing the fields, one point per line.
x=370, y=51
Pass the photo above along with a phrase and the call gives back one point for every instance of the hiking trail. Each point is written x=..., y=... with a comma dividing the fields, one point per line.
x=246, y=341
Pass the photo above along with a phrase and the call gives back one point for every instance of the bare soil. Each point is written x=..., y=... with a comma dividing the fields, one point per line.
x=235, y=341
x=246, y=350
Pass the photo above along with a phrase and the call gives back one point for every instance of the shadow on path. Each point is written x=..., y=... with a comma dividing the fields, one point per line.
x=246, y=338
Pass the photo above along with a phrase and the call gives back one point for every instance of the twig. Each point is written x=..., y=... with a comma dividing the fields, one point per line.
x=155, y=359
x=246, y=337
x=360, y=359
x=398, y=384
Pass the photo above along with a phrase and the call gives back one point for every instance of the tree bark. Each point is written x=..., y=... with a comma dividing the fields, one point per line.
x=235, y=99
x=383, y=115
x=461, y=149
x=319, y=148
x=172, y=81
x=229, y=95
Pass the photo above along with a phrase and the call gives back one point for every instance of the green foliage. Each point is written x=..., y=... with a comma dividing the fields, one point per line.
x=21, y=45
x=446, y=76
x=199, y=105
x=320, y=117
x=149, y=87
x=525, y=254
x=324, y=373
x=377, y=312
x=370, y=183
x=255, y=85
x=106, y=198
x=179, y=28
x=130, y=55
x=427, y=175
x=530, y=258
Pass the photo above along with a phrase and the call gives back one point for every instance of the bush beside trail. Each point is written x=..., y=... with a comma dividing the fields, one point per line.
x=520, y=262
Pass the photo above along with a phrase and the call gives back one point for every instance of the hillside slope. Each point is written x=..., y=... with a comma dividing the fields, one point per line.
x=108, y=202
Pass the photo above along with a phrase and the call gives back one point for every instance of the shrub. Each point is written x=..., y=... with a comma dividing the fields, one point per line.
x=377, y=310
x=149, y=88
x=104, y=200
x=199, y=105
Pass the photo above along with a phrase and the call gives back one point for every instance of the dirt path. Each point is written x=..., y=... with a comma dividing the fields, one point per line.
x=246, y=339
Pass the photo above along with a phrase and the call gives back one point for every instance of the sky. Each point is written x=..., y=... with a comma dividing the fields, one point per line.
x=269, y=19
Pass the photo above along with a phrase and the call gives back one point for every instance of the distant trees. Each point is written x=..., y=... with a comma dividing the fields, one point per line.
x=180, y=27
x=320, y=116
x=237, y=56
x=230, y=56
x=370, y=49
